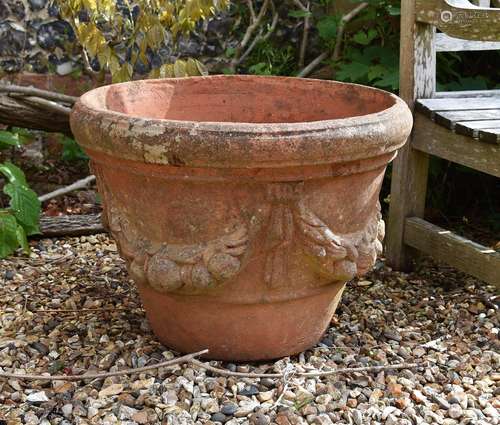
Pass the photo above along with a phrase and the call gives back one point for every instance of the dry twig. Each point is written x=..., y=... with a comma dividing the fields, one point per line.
x=169, y=363
x=341, y=28
x=32, y=91
x=225, y=372
x=80, y=184
x=242, y=51
x=49, y=105
x=338, y=41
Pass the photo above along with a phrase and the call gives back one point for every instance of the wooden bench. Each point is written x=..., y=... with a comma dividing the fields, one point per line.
x=462, y=127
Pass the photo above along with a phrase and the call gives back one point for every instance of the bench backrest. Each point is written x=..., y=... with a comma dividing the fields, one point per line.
x=462, y=25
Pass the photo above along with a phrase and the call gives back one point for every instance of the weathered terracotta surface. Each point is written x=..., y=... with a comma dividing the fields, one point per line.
x=242, y=204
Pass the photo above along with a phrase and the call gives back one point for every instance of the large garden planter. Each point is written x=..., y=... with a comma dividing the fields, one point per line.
x=241, y=204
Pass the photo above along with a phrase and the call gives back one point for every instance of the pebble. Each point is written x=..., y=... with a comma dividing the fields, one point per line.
x=219, y=417
x=41, y=348
x=67, y=410
x=357, y=416
x=455, y=411
x=37, y=397
x=396, y=318
x=249, y=390
x=229, y=408
x=322, y=419
x=259, y=419
x=113, y=389
x=245, y=408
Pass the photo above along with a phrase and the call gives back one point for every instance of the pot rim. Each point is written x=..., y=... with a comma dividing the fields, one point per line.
x=227, y=144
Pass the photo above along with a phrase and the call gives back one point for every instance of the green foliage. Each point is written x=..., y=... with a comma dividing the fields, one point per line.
x=269, y=59
x=20, y=218
x=372, y=65
x=72, y=150
x=327, y=28
x=14, y=138
x=122, y=34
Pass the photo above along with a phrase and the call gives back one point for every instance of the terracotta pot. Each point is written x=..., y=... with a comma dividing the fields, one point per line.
x=242, y=204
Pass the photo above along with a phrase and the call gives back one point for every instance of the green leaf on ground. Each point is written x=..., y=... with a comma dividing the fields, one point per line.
x=14, y=174
x=25, y=206
x=9, y=139
x=8, y=234
x=22, y=239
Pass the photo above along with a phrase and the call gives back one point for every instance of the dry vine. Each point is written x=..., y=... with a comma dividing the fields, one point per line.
x=190, y=358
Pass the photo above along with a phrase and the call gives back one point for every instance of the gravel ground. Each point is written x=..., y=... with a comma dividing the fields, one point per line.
x=93, y=320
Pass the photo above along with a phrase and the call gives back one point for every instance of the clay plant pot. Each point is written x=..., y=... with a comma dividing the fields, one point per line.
x=241, y=204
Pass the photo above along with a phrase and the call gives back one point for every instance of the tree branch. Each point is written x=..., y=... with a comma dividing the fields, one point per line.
x=255, y=21
x=338, y=41
x=341, y=28
x=313, y=64
x=305, y=35
x=260, y=37
x=80, y=184
x=32, y=91
x=44, y=104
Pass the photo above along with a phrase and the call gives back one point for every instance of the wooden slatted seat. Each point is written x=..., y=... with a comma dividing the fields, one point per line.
x=463, y=127
x=477, y=117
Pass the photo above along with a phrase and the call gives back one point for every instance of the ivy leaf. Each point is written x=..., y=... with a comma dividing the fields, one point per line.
x=25, y=206
x=299, y=14
x=14, y=174
x=9, y=139
x=327, y=28
x=8, y=234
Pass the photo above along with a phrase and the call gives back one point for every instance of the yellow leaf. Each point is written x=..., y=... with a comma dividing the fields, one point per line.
x=180, y=68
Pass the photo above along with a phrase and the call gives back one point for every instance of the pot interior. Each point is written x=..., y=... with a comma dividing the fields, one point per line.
x=242, y=99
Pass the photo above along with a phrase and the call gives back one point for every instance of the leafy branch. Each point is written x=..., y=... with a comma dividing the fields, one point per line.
x=119, y=37
x=20, y=218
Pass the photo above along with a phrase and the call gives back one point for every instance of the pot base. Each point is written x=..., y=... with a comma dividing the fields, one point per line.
x=240, y=332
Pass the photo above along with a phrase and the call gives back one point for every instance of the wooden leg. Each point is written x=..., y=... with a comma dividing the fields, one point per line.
x=408, y=190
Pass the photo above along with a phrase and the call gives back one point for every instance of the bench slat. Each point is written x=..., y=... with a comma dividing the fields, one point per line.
x=434, y=139
x=491, y=135
x=457, y=251
x=472, y=128
x=459, y=104
x=445, y=43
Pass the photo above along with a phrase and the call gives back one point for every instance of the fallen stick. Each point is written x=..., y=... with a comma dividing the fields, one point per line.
x=80, y=184
x=225, y=372
x=102, y=375
x=33, y=91
x=190, y=358
x=71, y=225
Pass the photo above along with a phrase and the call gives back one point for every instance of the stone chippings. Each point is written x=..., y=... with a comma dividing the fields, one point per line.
x=435, y=316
